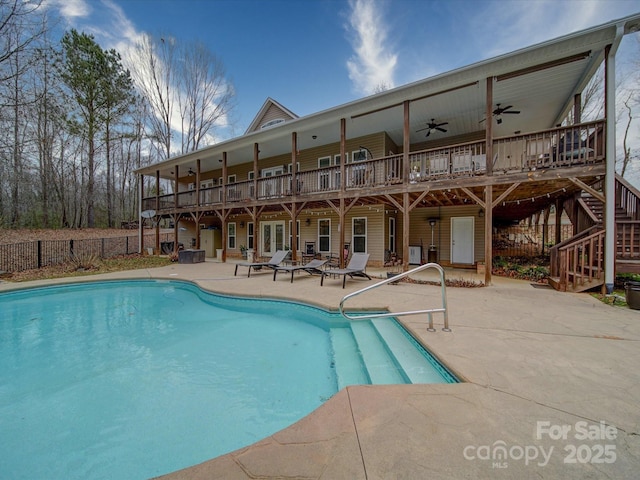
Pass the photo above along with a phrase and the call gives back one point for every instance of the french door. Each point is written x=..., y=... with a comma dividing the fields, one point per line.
x=271, y=238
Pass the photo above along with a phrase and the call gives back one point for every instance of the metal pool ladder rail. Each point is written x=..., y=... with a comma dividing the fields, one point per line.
x=395, y=278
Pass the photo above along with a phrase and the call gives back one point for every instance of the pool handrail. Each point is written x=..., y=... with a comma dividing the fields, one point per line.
x=395, y=278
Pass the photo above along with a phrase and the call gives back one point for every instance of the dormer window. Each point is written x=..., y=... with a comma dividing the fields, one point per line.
x=271, y=123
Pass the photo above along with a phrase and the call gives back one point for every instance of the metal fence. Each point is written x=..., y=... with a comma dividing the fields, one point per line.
x=15, y=257
x=527, y=241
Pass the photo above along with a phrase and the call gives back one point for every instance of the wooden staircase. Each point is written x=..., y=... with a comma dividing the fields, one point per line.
x=577, y=264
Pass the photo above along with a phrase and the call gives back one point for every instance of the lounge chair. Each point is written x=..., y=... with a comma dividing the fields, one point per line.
x=275, y=261
x=312, y=267
x=356, y=267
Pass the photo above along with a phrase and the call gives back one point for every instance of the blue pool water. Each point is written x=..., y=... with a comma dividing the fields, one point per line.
x=140, y=378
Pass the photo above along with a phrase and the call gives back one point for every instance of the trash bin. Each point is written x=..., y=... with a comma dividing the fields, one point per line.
x=433, y=254
x=632, y=294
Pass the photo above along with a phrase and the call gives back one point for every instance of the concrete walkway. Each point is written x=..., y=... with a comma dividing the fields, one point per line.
x=551, y=388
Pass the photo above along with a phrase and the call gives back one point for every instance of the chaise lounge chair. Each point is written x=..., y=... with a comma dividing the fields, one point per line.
x=356, y=267
x=275, y=261
x=312, y=267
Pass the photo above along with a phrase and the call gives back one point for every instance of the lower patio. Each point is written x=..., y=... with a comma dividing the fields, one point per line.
x=551, y=388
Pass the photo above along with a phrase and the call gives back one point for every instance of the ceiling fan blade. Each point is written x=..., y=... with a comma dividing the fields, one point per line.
x=482, y=120
x=512, y=111
x=441, y=129
x=441, y=124
x=422, y=129
x=428, y=133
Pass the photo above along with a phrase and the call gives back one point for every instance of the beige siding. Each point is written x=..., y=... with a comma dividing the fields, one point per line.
x=420, y=232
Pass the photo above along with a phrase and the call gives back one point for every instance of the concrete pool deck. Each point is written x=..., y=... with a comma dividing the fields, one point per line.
x=551, y=387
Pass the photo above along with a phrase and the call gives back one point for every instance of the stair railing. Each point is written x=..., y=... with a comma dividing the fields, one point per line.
x=400, y=276
x=582, y=260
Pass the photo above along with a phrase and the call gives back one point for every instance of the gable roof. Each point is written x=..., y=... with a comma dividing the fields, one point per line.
x=271, y=111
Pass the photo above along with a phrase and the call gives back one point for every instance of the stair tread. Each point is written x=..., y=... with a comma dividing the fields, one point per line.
x=415, y=366
x=345, y=349
x=379, y=363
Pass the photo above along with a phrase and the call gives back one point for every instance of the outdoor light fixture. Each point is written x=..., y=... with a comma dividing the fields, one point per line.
x=481, y=213
x=191, y=172
x=308, y=221
x=241, y=223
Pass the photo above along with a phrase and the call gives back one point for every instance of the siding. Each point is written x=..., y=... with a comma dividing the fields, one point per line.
x=420, y=231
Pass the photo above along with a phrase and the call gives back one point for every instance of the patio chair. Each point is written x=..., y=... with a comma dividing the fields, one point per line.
x=312, y=267
x=275, y=261
x=356, y=267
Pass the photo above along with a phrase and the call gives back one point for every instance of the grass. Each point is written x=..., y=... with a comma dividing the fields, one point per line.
x=89, y=265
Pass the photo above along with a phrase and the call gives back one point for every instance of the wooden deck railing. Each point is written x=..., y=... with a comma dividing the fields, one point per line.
x=543, y=149
x=582, y=261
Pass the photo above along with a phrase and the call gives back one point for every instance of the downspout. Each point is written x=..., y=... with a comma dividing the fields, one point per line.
x=610, y=175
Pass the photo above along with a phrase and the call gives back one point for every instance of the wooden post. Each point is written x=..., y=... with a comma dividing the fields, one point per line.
x=488, y=124
x=157, y=232
x=256, y=153
x=559, y=209
x=175, y=206
x=488, y=233
x=405, y=231
x=198, y=203
x=343, y=150
x=294, y=193
x=406, y=146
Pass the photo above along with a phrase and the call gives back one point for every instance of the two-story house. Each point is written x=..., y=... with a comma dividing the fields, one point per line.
x=421, y=171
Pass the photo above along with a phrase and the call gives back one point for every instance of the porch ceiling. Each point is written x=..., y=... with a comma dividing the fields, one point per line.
x=539, y=81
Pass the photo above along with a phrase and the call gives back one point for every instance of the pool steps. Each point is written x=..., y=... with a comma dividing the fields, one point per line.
x=345, y=349
x=389, y=355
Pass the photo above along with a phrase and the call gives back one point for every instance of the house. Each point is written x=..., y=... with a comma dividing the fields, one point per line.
x=422, y=171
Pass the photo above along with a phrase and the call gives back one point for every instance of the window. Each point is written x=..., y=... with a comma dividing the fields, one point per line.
x=392, y=234
x=324, y=235
x=297, y=237
x=250, y=235
x=329, y=179
x=358, y=174
x=231, y=235
x=231, y=179
x=324, y=176
x=359, y=235
x=252, y=190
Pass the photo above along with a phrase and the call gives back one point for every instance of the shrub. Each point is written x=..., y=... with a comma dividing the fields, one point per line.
x=84, y=261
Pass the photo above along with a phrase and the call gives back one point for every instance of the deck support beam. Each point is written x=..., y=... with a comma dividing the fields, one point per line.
x=488, y=231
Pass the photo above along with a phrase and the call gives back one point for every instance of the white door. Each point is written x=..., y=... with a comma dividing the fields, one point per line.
x=271, y=238
x=462, y=240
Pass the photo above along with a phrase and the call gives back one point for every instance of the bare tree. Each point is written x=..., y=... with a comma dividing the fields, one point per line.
x=205, y=97
x=187, y=91
x=20, y=25
x=153, y=68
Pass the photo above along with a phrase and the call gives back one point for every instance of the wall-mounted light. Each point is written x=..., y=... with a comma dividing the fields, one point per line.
x=191, y=172
x=241, y=223
x=481, y=213
x=308, y=221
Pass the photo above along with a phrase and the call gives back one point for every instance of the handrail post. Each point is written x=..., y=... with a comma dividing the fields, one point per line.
x=395, y=278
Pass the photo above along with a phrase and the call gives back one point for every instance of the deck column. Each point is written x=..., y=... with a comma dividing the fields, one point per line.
x=489, y=128
x=157, y=210
x=488, y=234
x=610, y=156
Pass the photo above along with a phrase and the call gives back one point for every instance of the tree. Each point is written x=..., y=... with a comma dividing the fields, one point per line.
x=205, y=97
x=154, y=68
x=19, y=26
x=186, y=89
x=100, y=87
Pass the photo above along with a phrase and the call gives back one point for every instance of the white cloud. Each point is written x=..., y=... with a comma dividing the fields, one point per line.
x=373, y=63
x=72, y=9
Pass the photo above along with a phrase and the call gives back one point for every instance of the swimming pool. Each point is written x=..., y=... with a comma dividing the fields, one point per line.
x=139, y=378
